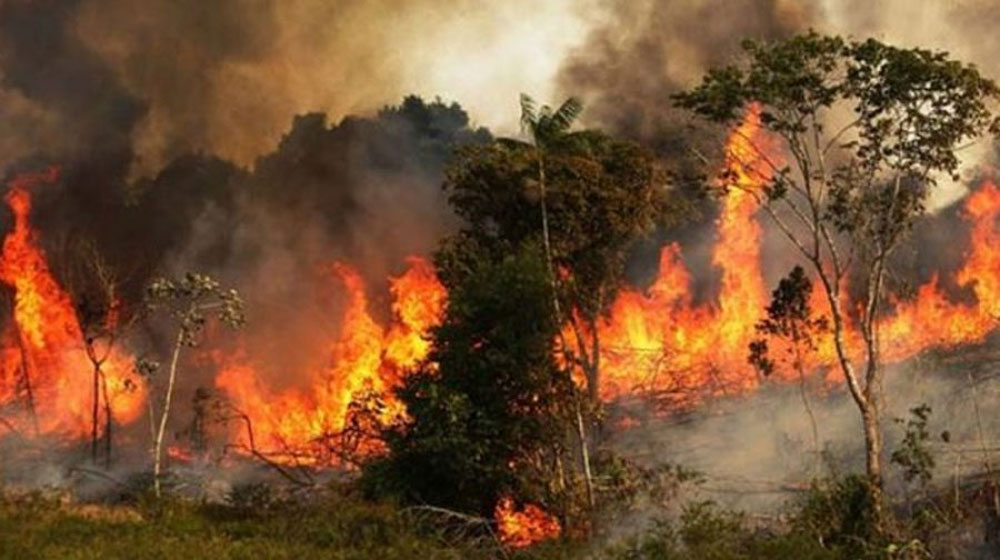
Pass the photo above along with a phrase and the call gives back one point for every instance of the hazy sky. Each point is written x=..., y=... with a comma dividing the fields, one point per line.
x=226, y=77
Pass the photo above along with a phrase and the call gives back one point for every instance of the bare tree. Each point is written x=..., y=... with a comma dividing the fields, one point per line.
x=104, y=322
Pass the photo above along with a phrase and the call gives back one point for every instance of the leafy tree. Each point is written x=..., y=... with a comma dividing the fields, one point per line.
x=546, y=128
x=188, y=303
x=583, y=196
x=867, y=128
x=595, y=196
x=488, y=410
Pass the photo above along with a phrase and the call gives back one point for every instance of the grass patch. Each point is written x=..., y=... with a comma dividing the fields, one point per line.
x=339, y=528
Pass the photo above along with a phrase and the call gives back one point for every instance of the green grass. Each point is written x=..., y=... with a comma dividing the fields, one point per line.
x=341, y=529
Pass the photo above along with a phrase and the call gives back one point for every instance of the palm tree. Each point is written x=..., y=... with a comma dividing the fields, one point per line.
x=546, y=128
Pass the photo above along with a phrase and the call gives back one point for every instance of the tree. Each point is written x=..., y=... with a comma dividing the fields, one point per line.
x=187, y=302
x=596, y=196
x=488, y=412
x=867, y=128
x=100, y=311
x=790, y=320
x=546, y=129
x=97, y=289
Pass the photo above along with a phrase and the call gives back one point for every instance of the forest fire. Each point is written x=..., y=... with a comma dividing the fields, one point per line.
x=659, y=341
x=524, y=527
x=366, y=361
x=656, y=341
x=45, y=369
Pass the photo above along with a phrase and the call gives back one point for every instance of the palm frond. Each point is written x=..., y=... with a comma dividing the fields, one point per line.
x=529, y=113
x=566, y=115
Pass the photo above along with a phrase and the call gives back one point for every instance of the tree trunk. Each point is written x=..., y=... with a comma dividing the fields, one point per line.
x=26, y=380
x=873, y=444
x=94, y=412
x=873, y=463
x=158, y=444
x=108, y=421
x=553, y=281
x=585, y=456
x=594, y=373
x=873, y=386
x=865, y=398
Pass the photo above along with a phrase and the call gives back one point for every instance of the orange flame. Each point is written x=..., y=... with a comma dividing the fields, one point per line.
x=931, y=319
x=179, y=454
x=658, y=340
x=530, y=525
x=44, y=364
x=366, y=359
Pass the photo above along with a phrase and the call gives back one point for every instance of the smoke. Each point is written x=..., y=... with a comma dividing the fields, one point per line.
x=63, y=100
x=642, y=52
x=635, y=56
x=759, y=454
x=173, y=123
x=225, y=77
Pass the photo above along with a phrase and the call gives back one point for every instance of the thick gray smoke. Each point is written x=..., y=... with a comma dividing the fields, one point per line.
x=760, y=453
x=642, y=52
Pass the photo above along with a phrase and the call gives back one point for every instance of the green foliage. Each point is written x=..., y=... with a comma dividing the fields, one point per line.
x=790, y=317
x=486, y=410
x=547, y=125
x=626, y=484
x=841, y=515
x=704, y=532
x=912, y=454
x=251, y=497
x=834, y=521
